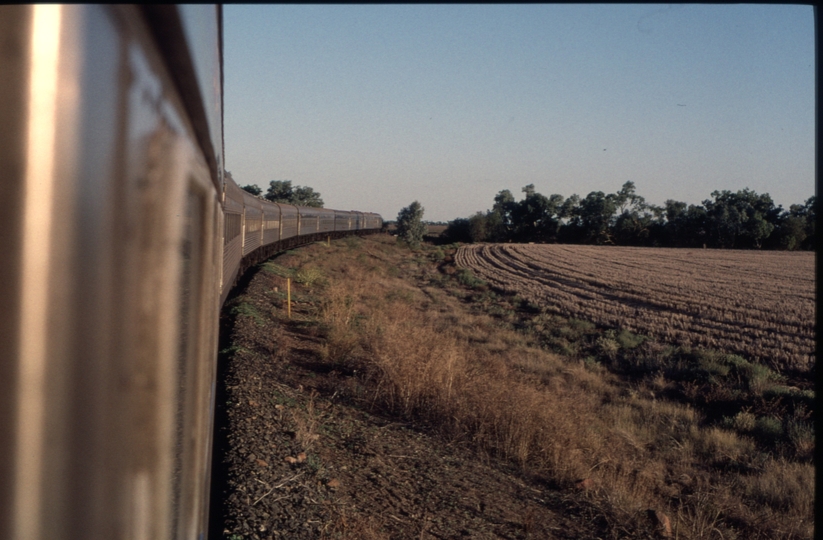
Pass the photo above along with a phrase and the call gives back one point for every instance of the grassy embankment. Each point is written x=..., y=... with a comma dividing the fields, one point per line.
x=721, y=446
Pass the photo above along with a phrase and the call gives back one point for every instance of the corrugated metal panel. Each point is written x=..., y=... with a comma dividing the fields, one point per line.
x=231, y=262
x=253, y=223
x=288, y=221
x=342, y=220
x=326, y=220
x=271, y=223
x=308, y=220
x=373, y=221
x=233, y=201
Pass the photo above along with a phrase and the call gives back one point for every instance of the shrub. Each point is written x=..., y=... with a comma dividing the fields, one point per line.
x=592, y=364
x=769, y=427
x=703, y=365
x=757, y=376
x=607, y=347
x=713, y=367
x=743, y=421
x=801, y=435
x=309, y=276
x=581, y=326
x=467, y=278
x=627, y=340
x=246, y=309
x=410, y=226
x=720, y=445
x=791, y=396
x=277, y=270
x=458, y=230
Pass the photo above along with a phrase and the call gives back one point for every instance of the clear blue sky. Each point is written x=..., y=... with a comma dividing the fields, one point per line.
x=376, y=106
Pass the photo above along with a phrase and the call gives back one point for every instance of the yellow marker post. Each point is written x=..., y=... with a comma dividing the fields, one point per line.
x=328, y=241
x=288, y=296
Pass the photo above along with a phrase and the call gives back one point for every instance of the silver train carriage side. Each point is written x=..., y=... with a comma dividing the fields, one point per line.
x=120, y=239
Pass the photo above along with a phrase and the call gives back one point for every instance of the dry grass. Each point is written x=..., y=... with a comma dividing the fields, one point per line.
x=306, y=422
x=425, y=356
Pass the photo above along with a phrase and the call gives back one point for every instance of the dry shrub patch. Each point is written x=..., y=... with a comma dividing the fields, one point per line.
x=618, y=413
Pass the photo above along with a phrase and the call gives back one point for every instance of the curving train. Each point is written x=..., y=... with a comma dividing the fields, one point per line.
x=255, y=229
x=120, y=237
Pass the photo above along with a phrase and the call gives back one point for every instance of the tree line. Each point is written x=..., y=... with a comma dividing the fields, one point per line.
x=729, y=220
x=281, y=191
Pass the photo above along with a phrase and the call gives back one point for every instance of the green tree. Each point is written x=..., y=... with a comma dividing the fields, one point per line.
x=410, y=226
x=593, y=217
x=496, y=230
x=306, y=196
x=459, y=230
x=633, y=223
x=810, y=215
x=282, y=191
x=681, y=225
x=626, y=200
x=479, y=227
x=504, y=205
x=536, y=217
x=631, y=229
x=740, y=220
x=791, y=234
x=796, y=227
x=254, y=189
x=569, y=207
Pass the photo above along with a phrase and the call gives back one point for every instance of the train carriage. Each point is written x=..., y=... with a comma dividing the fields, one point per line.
x=373, y=221
x=325, y=220
x=309, y=220
x=271, y=223
x=342, y=221
x=252, y=223
x=289, y=221
x=233, y=235
x=121, y=241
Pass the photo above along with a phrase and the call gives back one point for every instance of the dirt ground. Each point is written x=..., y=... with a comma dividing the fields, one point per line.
x=301, y=453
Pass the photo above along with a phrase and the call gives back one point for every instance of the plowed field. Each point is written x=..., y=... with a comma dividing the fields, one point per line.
x=758, y=304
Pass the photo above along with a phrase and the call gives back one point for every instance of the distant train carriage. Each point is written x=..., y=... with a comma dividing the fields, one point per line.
x=271, y=223
x=326, y=220
x=373, y=221
x=342, y=221
x=289, y=219
x=252, y=223
x=233, y=238
x=309, y=220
